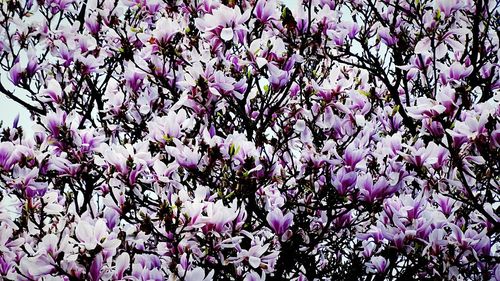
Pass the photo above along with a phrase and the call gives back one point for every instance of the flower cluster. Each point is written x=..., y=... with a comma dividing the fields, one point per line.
x=243, y=140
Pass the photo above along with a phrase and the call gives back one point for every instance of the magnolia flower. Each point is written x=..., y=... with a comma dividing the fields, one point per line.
x=90, y=64
x=435, y=128
x=237, y=146
x=198, y=274
x=279, y=222
x=386, y=36
x=114, y=99
x=426, y=108
x=87, y=140
x=378, y=264
x=352, y=157
x=253, y=276
x=168, y=127
x=458, y=71
x=277, y=77
x=144, y=268
x=93, y=25
x=343, y=181
x=7, y=240
x=6, y=268
x=219, y=216
x=446, y=204
x=95, y=268
x=436, y=241
x=121, y=264
x=53, y=92
x=255, y=255
x=352, y=28
x=7, y=155
x=224, y=23
x=65, y=55
x=185, y=156
x=370, y=191
x=32, y=65
x=26, y=180
x=134, y=78
x=59, y=5
x=446, y=7
x=16, y=73
x=266, y=11
x=56, y=121
x=91, y=236
x=165, y=30
x=419, y=157
x=125, y=159
x=64, y=167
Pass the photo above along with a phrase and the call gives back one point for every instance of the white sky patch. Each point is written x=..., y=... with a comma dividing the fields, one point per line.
x=9, y=109
x=292, y=4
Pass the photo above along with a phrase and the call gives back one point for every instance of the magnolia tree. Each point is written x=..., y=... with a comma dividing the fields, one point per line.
x=241, y=140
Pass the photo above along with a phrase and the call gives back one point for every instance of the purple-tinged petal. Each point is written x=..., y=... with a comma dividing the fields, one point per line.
x=95, y=268
x=16, y=73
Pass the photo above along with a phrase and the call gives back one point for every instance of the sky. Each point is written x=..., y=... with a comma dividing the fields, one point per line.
x=10, y=109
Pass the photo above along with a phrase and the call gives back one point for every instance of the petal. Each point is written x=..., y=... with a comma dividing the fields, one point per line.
x=111, y=244
x=423, y=46
x=227, y=34
x=260, y=62
x=122, y=263
x=95, y=268
x=84, y=232
x=254, y=261
x=195, y=275
x=100, y=230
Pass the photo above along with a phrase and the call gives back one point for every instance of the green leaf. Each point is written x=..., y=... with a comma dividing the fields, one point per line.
x=233, y=150
x=364, y=93
x=438, y=14
x=395, y=109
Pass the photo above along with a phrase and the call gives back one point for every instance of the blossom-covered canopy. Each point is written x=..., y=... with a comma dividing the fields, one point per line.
x=243, y=140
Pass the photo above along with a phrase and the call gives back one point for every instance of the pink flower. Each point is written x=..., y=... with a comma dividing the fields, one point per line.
x=7, y=156
x=224, y=23
x=458, y=71
x=93, y=25
x=378, y=264
x=343, y=181
x=446, y=7
x=165, y=30
x=277, y=77
x=352, y=28
x=53, y=92
x=370, y=191
x=91, y=235
x=95, y=268
x=218, y=217
x=436, y=241
x=32, y=66
x=255, y=255
x=16, y=73
x=352, y=157
x=198, y=274
x=266, y=11
x=386, y=36
x=279, y=222
x=134, y=79
x=122, y=263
